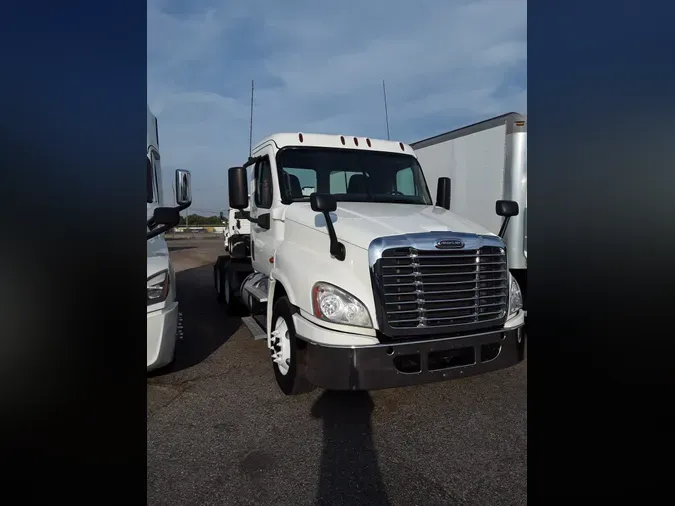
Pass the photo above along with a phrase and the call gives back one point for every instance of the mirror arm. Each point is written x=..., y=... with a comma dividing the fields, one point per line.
x=247, y=216
x=502, y=230
x=157, y=231
x=337, y=249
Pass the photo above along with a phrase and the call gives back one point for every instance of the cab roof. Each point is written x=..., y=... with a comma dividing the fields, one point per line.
x=282, y=140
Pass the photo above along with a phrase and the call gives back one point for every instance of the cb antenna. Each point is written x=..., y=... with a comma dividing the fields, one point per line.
x=250, y=132
x=386, y=113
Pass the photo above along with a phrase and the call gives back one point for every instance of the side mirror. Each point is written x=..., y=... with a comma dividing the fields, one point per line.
x=326, y=203
x=322, y=202
x=163, y=219
x=183, y=188
x=443, y=193
x=507, y=209
x=237, y=179
x=222, y=217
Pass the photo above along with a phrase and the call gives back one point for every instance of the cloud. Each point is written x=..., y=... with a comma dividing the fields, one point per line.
x=318, y=66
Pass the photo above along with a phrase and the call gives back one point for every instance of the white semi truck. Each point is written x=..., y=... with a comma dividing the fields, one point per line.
x=366, y=283
x=237, y=229
x=162, y=306
x=486, y=161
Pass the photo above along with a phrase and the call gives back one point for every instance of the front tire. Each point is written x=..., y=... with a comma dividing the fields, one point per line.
x=287, y=359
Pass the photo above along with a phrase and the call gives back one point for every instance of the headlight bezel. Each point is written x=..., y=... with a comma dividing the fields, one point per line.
x=345, y=298
x=515, y=297
x=161, y=286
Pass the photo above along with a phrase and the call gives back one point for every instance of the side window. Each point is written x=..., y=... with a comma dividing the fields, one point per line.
x=149, y=183
x=405, y=182
x=339, y=180
x=263, y=184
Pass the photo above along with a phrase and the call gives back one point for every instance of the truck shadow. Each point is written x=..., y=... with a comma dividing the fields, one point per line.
x=205, y=324
x=349, y=472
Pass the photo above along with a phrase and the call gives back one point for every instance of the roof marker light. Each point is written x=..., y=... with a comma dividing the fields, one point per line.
x=342, y=139
x=356, y=141
x=300, y=137
x=402, y=146
x=368, y=142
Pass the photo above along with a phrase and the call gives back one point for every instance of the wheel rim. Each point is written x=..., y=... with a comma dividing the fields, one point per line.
x=281, y=352
x=227, y=289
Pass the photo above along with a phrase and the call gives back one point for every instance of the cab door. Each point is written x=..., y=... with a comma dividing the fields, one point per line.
x=262, y=202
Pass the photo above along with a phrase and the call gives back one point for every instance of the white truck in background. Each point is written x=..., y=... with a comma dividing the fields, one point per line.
x=486, y=161
x=365, y=283
x=162, y=306
x=236, y=229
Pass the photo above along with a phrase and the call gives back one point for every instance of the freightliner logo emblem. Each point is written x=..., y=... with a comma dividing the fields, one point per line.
x=449, y=244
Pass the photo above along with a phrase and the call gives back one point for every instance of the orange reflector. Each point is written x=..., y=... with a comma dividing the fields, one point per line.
x=520, y=123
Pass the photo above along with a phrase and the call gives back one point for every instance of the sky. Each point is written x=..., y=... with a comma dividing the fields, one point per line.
x=318, y=67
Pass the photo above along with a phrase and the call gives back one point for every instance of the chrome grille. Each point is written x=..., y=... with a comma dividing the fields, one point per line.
x=434, y=288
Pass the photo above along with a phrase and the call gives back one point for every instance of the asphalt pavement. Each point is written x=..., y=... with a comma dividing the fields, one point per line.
x=220, y=432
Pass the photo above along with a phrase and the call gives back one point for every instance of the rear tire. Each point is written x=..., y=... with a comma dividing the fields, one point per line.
x=294, y=381
x=224, y=288
x=218, y=281
x=233, y=304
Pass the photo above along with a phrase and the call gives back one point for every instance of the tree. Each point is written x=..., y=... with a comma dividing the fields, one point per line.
x=197, y=220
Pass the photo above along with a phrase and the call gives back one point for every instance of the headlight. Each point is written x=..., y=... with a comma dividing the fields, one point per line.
x=337, y=306
x=515, y=297
x=158, y=288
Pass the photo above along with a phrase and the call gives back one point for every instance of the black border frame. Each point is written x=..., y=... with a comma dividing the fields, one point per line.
x=600, y=108
x=73, y=136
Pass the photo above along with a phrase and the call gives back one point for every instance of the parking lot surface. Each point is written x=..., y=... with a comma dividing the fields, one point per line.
x=221, y=432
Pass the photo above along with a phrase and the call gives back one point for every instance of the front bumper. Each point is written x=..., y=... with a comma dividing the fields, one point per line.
x=161, y=336
x=412, y=363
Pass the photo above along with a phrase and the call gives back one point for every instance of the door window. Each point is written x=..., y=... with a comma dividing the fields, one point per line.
x=263, y=184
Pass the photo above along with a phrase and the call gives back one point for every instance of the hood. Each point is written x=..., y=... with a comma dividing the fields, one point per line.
x=158, y=255
x=358, y=223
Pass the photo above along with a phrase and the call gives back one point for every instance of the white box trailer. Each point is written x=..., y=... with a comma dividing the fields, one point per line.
x=486, y=161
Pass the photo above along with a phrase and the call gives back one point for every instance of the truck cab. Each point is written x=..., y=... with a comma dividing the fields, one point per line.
x=367, y=283
x=162, y=305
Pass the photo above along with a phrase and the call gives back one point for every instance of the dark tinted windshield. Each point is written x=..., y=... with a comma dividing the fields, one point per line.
x=351, y=175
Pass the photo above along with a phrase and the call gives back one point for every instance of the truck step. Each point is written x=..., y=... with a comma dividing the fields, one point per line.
x=256, y=330
x=260, y=295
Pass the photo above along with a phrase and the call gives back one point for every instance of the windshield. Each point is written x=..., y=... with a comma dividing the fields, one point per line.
x=351, y=176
